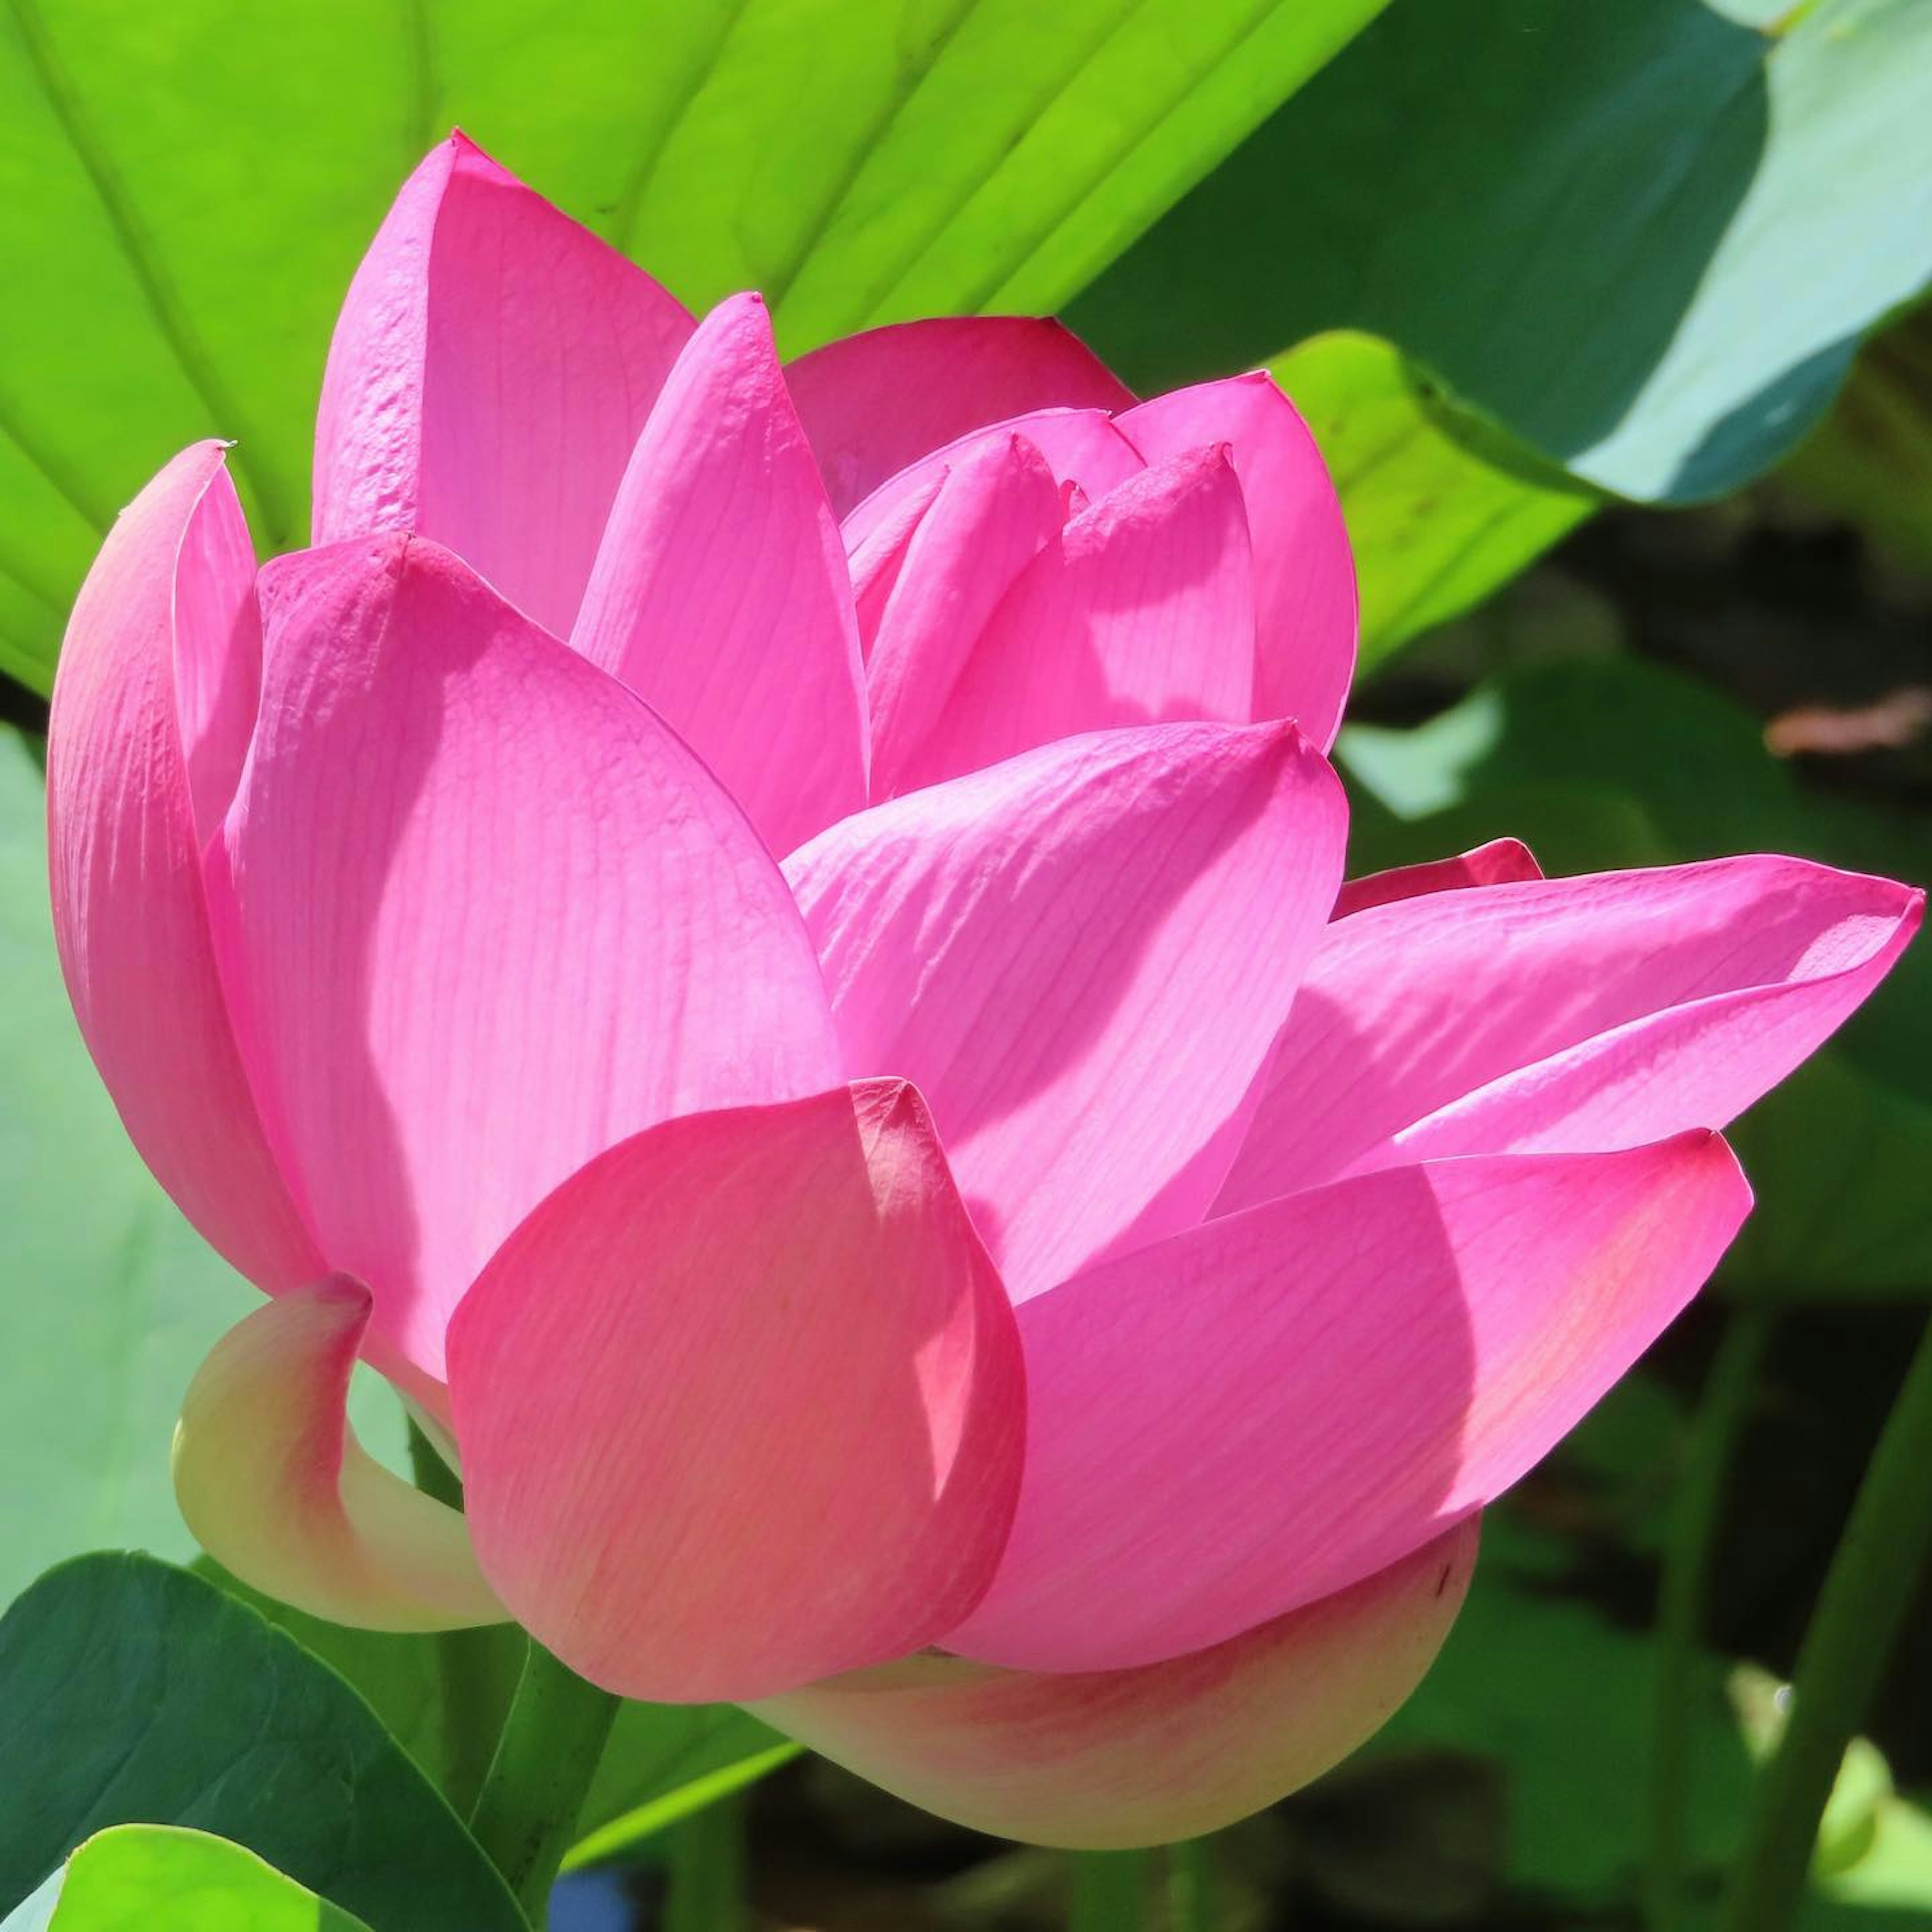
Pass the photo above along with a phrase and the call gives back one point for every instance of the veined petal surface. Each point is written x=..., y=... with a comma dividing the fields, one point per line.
x=742, y=1403
x=1081, y=956
x=1502, y=862
x=492, y=367
x=488, y=915
x=1259, y=1410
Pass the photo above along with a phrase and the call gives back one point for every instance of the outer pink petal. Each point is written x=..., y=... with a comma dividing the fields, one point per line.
x=1081, y=446
x=721, y=595
x=274, y=1483
x=1264, y=1409
x=490, y=915
x=1306, y=611
x=999, y=507
x=742, y=1404
x=1081, y=956
x=1502, y=862
x=1107, y=1759
x=492, y=364
x=1143, y=612
x=876, y=402
x=1619, y=1008
x=155, y=689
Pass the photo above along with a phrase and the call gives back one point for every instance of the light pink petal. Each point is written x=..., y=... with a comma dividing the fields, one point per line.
x=874, y=403
x=490, y=916
x=1081, y=956
x=154, y=698
x=876, y=564
x=998, y=509
x=1306, y=609
x=1603, y=1012
x=1081, y=446
x=742, y=1403
x=720, y=594
x=492, y=364
x=1267, y=1408
x=1502, y=862
x=1143, y=612
x=1106, y=1760
x=275, y=1485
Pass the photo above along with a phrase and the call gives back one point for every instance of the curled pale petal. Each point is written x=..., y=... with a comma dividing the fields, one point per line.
x=1265, y=1408
x=155, y=696
x=492, y=364
x=720, y=594
x=273, y=1484
x=1082, y=956
x=742, y=1404
x=1104, y=1760
x=1564, y=1014
x=1306, y=606
x=1502, y=862
x=998, y=508
x=489, y=914
x=1082, y=446
x=876, y=402
x=1142, y=613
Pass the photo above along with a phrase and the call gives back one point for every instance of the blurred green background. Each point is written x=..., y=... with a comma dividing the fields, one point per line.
x=1604, y=312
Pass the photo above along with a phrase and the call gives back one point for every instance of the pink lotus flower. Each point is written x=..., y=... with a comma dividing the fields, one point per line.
x=875, y=1156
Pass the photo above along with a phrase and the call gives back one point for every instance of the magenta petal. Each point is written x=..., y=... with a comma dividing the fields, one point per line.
x=489, y=915
x=875, y=402
x=1105, y=1759
x=1143, y=612
x=1265, y=1408
x=152, y=709
x=720, y=594
x=1564, y=1014
x=1305, y=607
x=1081, y=956
x=998, y=508
x=1502, y=862
x=742, y=1404
x=492, y=367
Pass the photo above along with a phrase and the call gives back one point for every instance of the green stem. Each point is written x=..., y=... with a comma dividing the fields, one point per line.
x=1867, y=1592
x=707, y=1871
x=526, y=1812
x=1193, y=1890
x=464, y=1658
x=1110, y=1891
x=1681, y=1592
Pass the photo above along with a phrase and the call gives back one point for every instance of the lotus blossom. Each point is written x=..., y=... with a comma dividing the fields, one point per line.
x=769, y=943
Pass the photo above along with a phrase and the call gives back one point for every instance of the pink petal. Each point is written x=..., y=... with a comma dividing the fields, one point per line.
x=1109, y=1759
x=157, y=671
x=1080, y=445
x=1564, y=1015
x=1261, y=1410
x=876, y=402
x=742, y=1404
x=720, y=594
x=492, y=364
x=490, y=916
x=998, y=509
x=1081, y=957
x=1143, y=612
x=273, y=1484
x=1306, y=608
x=1502, y=862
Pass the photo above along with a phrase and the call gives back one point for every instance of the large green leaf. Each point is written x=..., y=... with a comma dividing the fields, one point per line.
x=132, y=1692
x=132, y=1878
x=1442, y=507
x=1614, y=764
x=188, y=188
x=112, y=1299
x=1646, y=236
